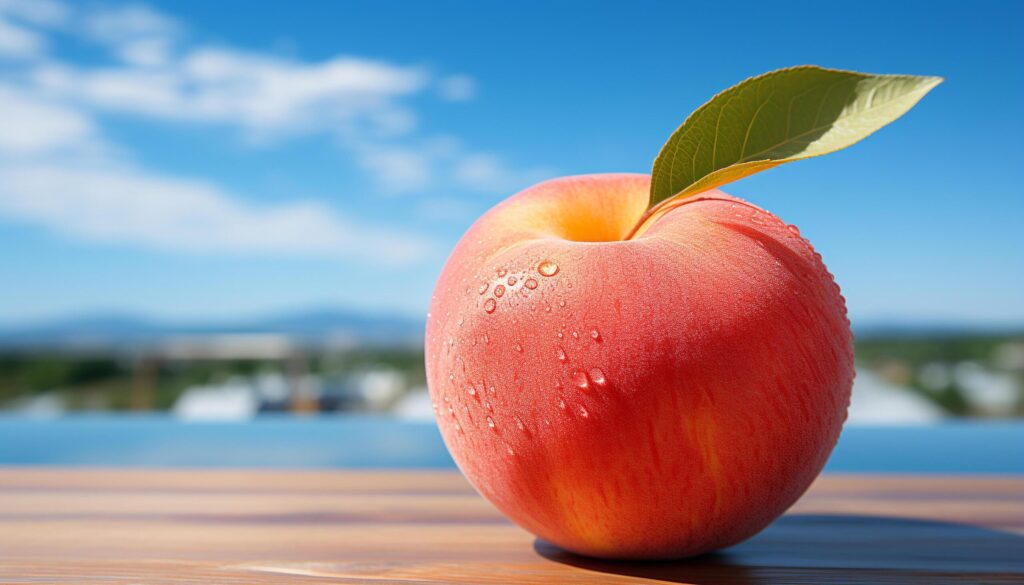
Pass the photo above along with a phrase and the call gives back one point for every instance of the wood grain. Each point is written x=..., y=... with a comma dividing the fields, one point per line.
x=156, y=527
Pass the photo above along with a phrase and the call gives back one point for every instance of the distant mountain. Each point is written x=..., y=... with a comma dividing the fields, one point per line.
x=902, y=328
x=327, y=326
x=341, y=327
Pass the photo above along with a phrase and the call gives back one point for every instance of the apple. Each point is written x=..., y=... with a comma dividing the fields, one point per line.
x=644, y=367
x=652, y=397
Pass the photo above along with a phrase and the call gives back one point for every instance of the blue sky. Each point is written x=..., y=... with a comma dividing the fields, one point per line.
x=209, y=160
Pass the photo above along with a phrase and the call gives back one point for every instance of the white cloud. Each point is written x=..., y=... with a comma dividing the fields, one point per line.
x=265, y=91
x=398, y=170
x=458, y=88
x=119, y=23
x=256, y=92
x=39, y=12
x=17, y=39
x=416, y=168
x=119, y=205
x=364, y=102
x=19, y=42
x=57, y=170
x=145, y=52
x=137, y=34
x=445, y=209
x=138, y=91
x=44, y=181
x=489, y=173
x=407, y=168
x=31, y=126
x=481, y=171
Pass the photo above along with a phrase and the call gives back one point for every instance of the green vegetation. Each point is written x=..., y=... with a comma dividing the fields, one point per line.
x=119, y=383
x=927, y=365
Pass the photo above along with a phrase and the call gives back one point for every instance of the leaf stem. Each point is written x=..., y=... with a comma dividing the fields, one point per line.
x=652, y=211
x=671, y=203
x=643, y=219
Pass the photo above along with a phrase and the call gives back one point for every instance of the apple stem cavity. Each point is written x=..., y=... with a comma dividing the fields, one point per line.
x=659, y=210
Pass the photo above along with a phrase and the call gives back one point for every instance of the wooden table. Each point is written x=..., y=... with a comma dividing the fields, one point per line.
x=296, y=527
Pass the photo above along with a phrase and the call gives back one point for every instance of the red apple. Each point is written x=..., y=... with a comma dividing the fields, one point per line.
x=658, y=396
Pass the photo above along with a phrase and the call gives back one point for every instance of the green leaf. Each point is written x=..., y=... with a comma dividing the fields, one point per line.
x=781, y=116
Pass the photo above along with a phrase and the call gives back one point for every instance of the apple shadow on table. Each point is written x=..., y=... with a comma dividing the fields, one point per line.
x=839, y=548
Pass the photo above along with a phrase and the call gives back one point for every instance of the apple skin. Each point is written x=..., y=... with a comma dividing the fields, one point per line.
x=658, y=397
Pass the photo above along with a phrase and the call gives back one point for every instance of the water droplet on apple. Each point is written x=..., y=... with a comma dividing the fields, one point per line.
x=530, y=283
x=512, y=281
x=519, y=347
x=579, y=378
x=561, y=403
x=502, y=272
x=483, y=287
x=489, y=306
x=595, y=335
x=575, y=334
x=491, y=390
x=561, y=303
x=547, y=268
x=499, y=290
x=471, y=391
x=519, y=423
x=597, y=377
x=488, y=405
x=793, y=230
x=561, y=355
x=490, y=423
x=487, y=338
x=582, y=411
